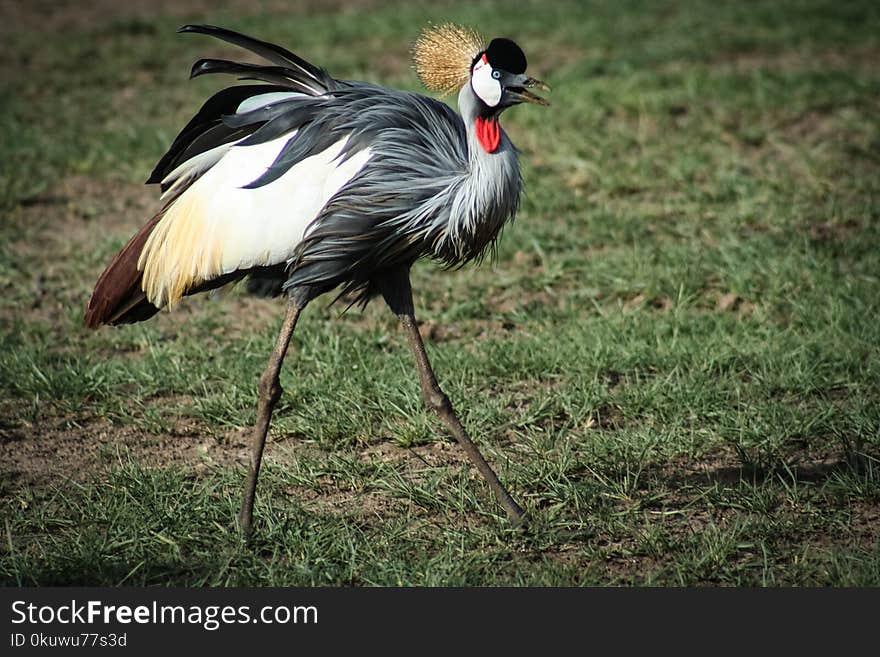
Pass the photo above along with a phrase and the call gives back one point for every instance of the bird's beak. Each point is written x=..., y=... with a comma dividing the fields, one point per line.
x=519, y=91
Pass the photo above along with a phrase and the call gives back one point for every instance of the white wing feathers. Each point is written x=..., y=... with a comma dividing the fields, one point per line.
x=216, y=226
x=187, y=171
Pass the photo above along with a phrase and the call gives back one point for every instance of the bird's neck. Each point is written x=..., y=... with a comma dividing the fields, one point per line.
x=484, y=131
x=487, y=194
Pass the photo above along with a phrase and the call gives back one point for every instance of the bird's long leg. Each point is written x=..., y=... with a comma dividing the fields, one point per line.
x=270, y=393
x=398, y=294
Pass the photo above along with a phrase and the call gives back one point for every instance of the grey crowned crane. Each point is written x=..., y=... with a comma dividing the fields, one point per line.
x=303, y=184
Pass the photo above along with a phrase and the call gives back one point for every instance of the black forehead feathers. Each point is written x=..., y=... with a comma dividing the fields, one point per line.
x=506, y=55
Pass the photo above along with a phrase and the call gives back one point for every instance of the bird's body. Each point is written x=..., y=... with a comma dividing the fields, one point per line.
x=306, y=184
x=321, y=182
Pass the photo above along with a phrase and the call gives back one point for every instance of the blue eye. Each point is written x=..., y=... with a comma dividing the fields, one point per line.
x=496, y=74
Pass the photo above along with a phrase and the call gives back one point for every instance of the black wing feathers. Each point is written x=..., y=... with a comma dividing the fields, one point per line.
x=283, y=77
x=208, y=129
x=264, y=49
x=209, y=116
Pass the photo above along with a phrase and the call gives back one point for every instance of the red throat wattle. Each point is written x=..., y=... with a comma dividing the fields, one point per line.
x=489, y=133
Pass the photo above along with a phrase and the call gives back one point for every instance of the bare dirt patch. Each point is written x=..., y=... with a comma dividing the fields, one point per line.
x=68, y=448
x=58, y=450
x=439, y=454
x=63, y=448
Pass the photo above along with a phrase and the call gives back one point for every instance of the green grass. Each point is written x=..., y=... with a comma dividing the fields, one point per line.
x=674, y=362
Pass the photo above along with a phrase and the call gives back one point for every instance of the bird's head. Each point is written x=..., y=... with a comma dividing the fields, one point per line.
x=498, y=77
x=447, y=57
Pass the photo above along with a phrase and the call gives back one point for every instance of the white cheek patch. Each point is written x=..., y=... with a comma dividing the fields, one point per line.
x=484, y=85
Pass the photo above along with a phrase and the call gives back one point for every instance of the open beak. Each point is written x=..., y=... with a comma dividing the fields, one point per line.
x=520, y=91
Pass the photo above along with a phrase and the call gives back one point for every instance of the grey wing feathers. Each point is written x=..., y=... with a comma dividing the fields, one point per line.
x=396, y=209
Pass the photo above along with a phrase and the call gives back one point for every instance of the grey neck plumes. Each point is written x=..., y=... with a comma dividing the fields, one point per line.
x=489, y=191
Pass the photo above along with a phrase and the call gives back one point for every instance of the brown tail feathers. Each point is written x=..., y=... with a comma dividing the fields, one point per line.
x=118, y=298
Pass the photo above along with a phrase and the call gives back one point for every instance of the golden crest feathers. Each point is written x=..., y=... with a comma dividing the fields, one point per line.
x=443, y=55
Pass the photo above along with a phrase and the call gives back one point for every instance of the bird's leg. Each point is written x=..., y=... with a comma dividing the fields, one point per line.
x=270, y=393
x=438, y=402
x=398, y=294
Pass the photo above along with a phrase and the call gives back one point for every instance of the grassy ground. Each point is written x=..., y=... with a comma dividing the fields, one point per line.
x=673, y=363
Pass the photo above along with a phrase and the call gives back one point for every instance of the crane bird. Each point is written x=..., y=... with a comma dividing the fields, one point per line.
x=303, y=184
